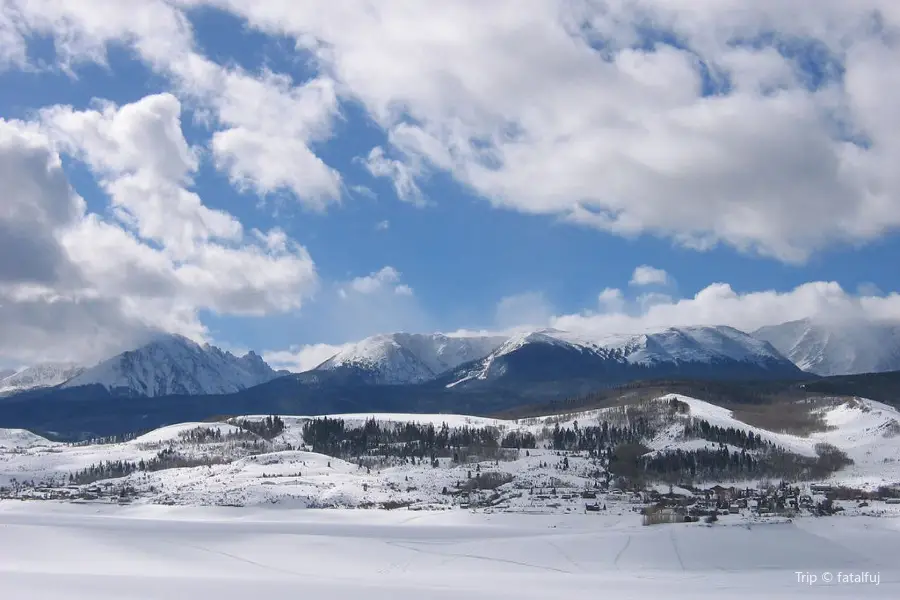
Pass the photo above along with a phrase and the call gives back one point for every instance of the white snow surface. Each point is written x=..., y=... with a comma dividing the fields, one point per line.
x=53, y=551
x=400, y=358
x=865, y=430
x=12, y=439
x=173, y=364
x=38, y=376
x=837, y=347
x=171, y=433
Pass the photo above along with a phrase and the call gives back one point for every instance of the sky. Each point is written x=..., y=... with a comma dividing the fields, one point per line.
x=292, y=176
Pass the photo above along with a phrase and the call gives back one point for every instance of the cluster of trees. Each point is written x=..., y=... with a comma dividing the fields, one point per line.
x=698, y=428
x=164, y=459
x=203, y=435
x=703, y=464
x=110, y=439
x=718, y=463
x=596, y=439
x=519, y=439
x=333, y=437
x=268, y=428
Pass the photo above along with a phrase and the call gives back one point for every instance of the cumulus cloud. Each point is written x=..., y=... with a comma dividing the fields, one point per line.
x=647, y=275
x=301, y=358
x=74, y=285
x=526, y=309
x=611, y=300
x=720, y=304
x=386, y=278
x=265, y=124
x=566, y=109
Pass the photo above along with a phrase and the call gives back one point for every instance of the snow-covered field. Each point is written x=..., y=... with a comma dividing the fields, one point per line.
x=250, y=526
x=54, y=551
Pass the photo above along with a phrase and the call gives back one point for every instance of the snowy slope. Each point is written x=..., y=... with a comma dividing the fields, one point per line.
x=172, y=365
x=836, y=347
x=39, y=376
x=867, y=431
x=672, y=348
x=21, y=438
x=401, y=358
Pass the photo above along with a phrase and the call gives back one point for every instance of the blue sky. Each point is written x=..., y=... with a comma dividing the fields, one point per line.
x=495, y=218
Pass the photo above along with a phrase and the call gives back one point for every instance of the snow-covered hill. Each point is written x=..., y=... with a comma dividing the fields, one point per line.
x=837, y=347
x=175, y=365
x=39, y=376
x=684, y=351
x=402, y=358
x=238, y=467
x=12, y=439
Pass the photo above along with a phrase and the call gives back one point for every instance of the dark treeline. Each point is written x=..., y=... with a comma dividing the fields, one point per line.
x=519, y=439
x=332, y=437
x=267, y=428
x=703, y=464
x=707, y=464
x=596, y=439
x=700, y=429
x=110, y=439
x=164, y=459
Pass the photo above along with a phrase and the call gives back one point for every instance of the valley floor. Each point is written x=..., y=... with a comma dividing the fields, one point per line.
x=54, y=550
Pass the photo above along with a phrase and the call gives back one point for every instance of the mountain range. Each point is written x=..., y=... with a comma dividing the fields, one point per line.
x=174, y=379
x=45, y=375
x=404, y=358
x=167, y=365
x=837, y=346
x=174, y=365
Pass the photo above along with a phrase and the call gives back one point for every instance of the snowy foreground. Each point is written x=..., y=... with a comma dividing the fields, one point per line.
x=51, y=550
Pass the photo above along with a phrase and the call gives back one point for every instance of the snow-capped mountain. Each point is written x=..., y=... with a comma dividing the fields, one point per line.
x=837, y=347
x=403, y=358
x=550, y=354
x=175, y=365
x=39, y=376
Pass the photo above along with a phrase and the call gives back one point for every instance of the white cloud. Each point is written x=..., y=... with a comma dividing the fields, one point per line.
x=403, y=175
x=81, y=286
x=382, y=225
x=266, y=124
x=526, y=309
x=301, y=358
x=143, y=163
x=517, y=105
x=647, y=275
x=269, y=126
x=384, y=278
x=522, y=108
x=611, y=300
x=720, y=304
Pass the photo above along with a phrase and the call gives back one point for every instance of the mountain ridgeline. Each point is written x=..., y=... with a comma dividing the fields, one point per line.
x=172, y=379
x=837, y=346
